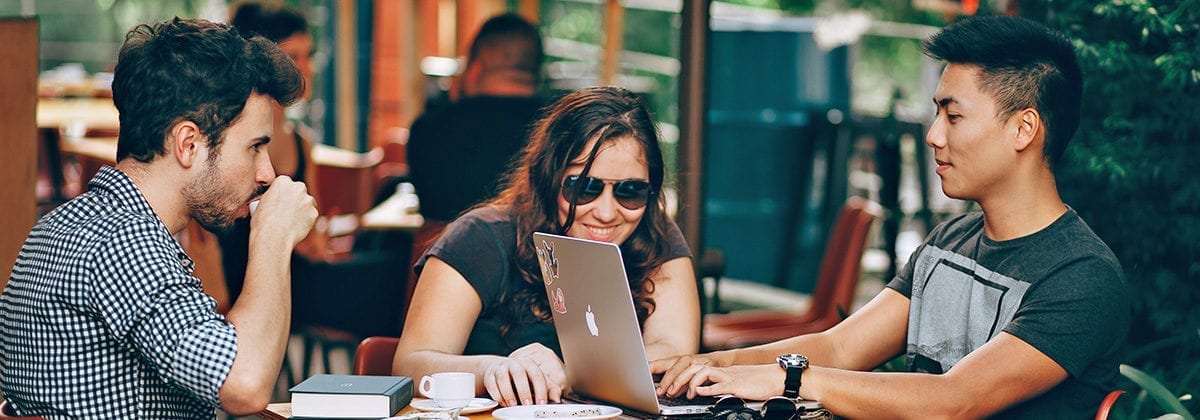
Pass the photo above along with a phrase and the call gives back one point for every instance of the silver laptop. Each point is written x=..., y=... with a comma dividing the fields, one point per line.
x=598, y=328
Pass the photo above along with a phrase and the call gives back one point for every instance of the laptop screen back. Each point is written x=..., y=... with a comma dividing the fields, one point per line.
x=594, y=316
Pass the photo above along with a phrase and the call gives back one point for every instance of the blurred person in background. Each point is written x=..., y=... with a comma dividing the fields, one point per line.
x=458, y=153
x=292, y=142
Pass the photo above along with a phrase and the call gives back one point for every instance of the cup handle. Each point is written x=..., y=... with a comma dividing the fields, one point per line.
x=427, y=386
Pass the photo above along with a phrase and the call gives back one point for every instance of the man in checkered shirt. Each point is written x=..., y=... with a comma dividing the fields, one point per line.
x=102, y=317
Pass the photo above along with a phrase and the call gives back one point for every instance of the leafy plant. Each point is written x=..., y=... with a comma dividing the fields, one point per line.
x=1151, y=387
x=1131, y=169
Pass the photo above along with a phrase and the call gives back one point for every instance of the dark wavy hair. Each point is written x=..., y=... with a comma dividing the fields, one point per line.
x=607, y=115
x=1024, y=64
x=193, y=70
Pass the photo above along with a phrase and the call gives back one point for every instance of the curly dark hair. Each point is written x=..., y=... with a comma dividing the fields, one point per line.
x=607, y=115
x=193, y=70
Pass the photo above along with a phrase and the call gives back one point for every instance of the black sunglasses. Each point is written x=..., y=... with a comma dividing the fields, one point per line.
x=632, y=194
x=775, y=408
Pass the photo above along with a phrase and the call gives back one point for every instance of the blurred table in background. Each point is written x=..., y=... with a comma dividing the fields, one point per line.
x=93, y=113
x=76, y=119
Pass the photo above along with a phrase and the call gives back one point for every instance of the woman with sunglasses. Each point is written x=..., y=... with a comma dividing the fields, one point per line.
x=593, y=169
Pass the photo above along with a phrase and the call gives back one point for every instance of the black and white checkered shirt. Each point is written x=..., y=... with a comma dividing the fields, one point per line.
x=102, y=318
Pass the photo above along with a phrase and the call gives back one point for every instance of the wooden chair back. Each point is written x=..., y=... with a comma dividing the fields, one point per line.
x=8, y=412
x=374, y=356
x=837, y=282
x=345, y=179
x=1107, y=404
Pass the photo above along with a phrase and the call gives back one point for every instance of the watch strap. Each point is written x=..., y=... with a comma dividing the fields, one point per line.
x=791, y=383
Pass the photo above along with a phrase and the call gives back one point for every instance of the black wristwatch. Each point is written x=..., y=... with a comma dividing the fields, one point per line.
x=794, y=365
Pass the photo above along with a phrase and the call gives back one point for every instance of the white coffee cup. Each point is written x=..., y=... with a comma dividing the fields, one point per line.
x=449, y=389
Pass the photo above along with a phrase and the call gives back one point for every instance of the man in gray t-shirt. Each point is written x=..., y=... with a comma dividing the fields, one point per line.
x=1017, y=311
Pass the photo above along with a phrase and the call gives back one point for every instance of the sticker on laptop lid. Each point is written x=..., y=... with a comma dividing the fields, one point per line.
x=558, y=301
x=548, y=261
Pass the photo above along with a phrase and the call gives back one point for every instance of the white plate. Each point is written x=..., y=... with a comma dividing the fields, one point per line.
x=477, y=405
x=557, y=411
x=425, y=416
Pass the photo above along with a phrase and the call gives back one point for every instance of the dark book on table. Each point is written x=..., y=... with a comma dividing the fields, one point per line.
x=351, y=396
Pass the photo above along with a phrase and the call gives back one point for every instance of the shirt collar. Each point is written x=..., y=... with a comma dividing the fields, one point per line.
x=113, y=182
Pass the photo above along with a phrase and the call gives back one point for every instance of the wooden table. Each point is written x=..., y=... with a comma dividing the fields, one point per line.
x=389, y=215
x=94, y=113
x=83, y=115
x=103, y=149
x=283, y=411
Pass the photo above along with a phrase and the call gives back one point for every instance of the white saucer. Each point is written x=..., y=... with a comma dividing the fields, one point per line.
x=477, y=405
x=557, y=411
x=429, y=415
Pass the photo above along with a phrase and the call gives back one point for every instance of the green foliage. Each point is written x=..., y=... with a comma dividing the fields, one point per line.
x=1155, y=390
x=1131, y=170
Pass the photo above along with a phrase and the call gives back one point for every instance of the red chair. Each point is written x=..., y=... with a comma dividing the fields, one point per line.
x=834, y=294
x=374, y=356
x=8, y=412
x=1108, y=403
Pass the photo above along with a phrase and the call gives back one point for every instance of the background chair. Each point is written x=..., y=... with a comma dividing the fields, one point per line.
x=8, y=412
x=374, y=356
x=1107, y=405
x=350, y=293
x=338, y=304
x=836, y=283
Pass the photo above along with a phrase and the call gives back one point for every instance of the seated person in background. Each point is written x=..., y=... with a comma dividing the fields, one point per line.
x=593, y=170
x=458, y=154
x=291, y=148
x=1019, y=311
x=102, y=317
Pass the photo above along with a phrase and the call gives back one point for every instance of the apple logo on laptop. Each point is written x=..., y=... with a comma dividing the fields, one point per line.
x=591, y=322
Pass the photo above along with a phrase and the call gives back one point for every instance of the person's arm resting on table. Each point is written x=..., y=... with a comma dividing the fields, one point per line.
x=975, y=387
x=436, y=335
x=674, y=327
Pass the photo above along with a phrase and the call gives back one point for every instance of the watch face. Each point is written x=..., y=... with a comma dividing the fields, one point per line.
x=793, y=360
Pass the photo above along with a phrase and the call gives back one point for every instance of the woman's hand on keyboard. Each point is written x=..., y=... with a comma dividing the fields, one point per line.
x=529, y=375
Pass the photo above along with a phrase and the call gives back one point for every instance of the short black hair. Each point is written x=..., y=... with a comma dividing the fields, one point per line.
x=1023, y=64
x=272, y=21
x=195, y=70
x=514, y=40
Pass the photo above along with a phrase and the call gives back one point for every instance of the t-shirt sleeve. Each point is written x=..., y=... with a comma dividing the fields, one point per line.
x=143, y=293
x=903, y=282
x=476, y=248
x=1071, y=324
x=677, y=246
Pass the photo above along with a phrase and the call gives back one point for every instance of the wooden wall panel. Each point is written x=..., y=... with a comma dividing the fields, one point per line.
x=18, y=139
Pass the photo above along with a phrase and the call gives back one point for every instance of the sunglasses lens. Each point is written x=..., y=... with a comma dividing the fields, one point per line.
x=592, y=188
x=731, y=408
x=728, y=402
x=632, y=195
x=778, y=408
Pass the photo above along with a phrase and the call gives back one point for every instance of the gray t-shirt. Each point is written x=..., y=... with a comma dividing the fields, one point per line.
x=1061, y=290
x=481, y=245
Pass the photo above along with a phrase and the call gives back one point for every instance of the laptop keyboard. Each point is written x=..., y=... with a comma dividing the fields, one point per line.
x=684, y=400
